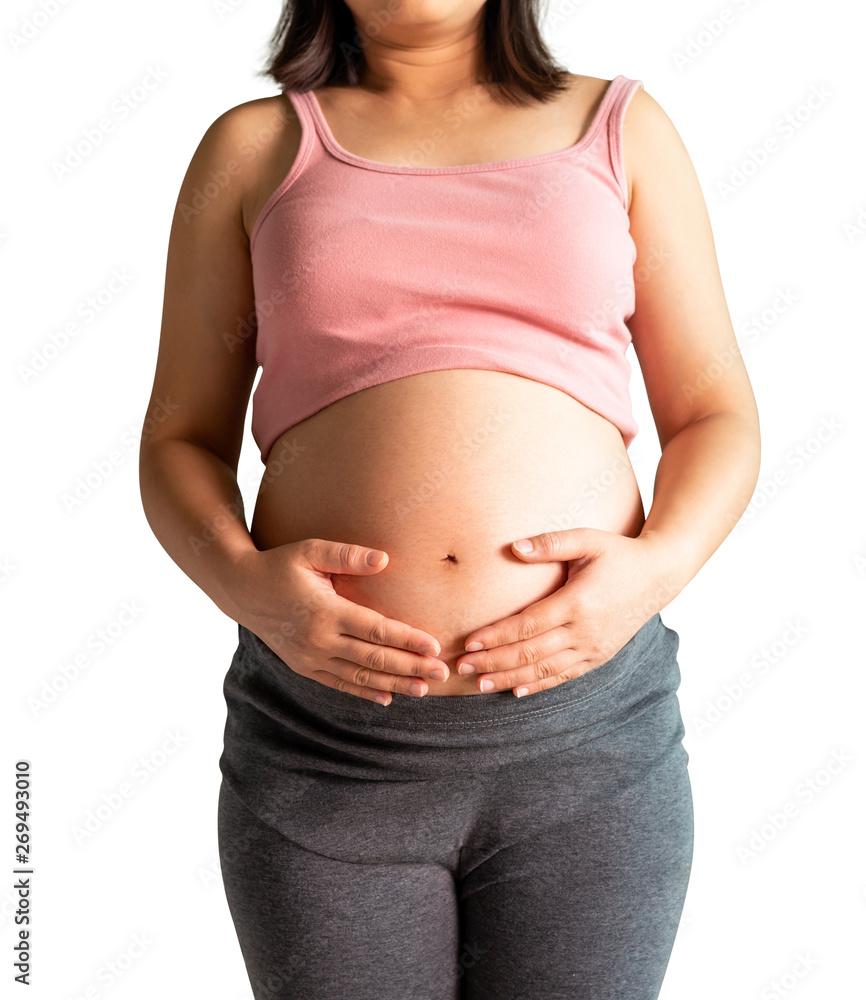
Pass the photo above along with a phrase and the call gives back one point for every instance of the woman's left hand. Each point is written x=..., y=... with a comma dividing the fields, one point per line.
x=615, y=585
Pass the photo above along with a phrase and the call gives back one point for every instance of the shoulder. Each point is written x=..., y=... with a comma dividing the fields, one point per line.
x=651, y=144
x=646, y=119
x=244, y=148
x=245, y=130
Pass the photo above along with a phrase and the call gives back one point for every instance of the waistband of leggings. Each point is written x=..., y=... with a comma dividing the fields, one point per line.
x=442, y=713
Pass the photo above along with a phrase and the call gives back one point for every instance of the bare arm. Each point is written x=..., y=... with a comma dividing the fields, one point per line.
x=194, y=507
x=698, y=389
x=188, y=459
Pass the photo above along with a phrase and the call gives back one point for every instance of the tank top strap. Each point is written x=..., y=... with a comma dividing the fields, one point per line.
x=620, y=91
x=300, y=101
x=309, y=140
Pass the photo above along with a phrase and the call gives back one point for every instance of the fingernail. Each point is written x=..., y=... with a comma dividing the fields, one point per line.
x=520, y=692
x=487, y=685
x=417, y=689
x=430, y=650
x=473, y=647
x=523, y=545
x=465, y=668
x=438, y=674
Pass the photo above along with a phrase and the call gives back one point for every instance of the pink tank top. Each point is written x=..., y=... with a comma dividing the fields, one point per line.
x=366, y=272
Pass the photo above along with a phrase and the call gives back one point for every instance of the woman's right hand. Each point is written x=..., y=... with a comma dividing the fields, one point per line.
x=285, y=596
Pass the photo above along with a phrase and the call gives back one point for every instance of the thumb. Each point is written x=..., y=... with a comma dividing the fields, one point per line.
x=558, y=545
x=341, y=558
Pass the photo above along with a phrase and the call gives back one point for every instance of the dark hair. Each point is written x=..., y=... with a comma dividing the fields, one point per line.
x=316, y=43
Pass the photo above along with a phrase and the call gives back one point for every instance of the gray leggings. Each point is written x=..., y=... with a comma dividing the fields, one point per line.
x=475, y=847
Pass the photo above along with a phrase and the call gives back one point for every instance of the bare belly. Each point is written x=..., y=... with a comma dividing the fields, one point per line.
x=443, y=471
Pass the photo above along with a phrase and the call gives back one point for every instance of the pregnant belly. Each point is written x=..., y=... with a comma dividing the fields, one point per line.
x=443, y=470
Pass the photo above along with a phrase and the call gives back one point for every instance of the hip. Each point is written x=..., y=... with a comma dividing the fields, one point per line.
x=351, y=779
x=286, y=720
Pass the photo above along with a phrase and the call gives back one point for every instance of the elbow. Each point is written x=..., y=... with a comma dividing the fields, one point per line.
x=744, y=417
x=736, y=430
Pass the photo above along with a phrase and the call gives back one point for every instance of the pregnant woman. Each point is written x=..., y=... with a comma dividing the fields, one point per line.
x=453, y=763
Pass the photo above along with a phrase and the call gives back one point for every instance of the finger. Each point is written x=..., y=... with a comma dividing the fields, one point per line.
x=567, y=675
x=565, y=545
x=364, y=623
x=517, y=654
x=341, y=684
x=387, y=661
x=344, y=558
x=541, y=670
x=546, y=614
x=359, y=675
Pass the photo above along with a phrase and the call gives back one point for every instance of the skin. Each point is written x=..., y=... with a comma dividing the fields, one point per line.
x=425, y=56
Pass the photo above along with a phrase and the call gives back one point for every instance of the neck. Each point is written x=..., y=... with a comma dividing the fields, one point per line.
x=425, y=70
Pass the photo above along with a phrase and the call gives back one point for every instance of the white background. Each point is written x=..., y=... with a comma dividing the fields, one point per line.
x=792, y=910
